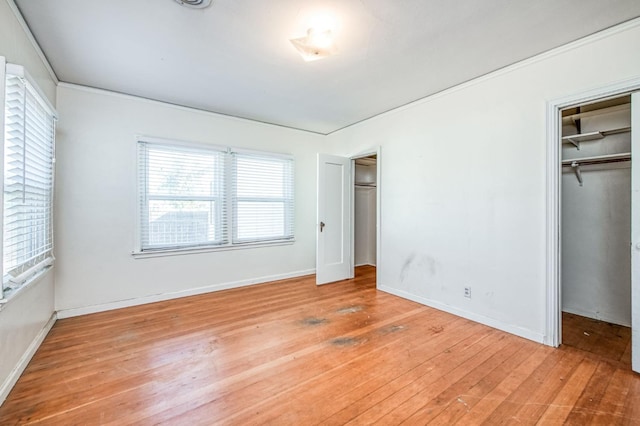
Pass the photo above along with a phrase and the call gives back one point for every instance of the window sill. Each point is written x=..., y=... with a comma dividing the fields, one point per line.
x=31, y=282
x=183, y=251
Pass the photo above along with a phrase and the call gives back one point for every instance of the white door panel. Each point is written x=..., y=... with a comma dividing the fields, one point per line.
x=333, y=251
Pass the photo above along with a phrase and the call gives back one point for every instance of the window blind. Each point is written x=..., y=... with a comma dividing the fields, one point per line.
x=182, y=196
x=29, y=137
x=195, y=196
x=263, y=198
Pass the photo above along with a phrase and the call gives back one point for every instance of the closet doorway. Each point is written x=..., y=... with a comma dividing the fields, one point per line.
x=596, y=156
x=365, y=206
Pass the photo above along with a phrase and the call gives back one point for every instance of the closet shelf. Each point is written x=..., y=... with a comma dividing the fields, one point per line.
x=572, y=118
x=591, y=136
x=575, y=163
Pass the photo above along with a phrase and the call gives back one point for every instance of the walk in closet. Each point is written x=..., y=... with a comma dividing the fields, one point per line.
x=596, y=226
x=365, y=211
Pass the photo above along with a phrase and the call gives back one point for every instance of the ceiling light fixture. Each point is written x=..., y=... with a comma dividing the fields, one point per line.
x=194, y=4
x=317, y=44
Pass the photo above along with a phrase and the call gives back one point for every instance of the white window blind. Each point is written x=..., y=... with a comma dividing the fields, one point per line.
x=196, y=197
x=262, y=198
x=29, y=138
x=183, y=196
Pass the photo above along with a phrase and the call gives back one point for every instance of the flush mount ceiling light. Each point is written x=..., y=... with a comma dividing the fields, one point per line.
x=317, y=44
x=194, y=4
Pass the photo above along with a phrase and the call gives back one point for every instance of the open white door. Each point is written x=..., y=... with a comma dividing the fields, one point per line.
x=333, y=241
x=635, y=232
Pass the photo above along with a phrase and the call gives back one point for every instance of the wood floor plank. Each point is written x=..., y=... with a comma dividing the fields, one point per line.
x=490, y=402
x=291, y=352
x=586, y=406
x=614, y=399
x=428, y=404
x=424, y=360
x=530, y=398
x=558, y=411
x=464, y=400
x=440, y=372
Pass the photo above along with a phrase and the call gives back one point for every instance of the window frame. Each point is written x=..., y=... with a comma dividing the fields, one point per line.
x=144, y=197
x=287, y=200
x=33, y=272
x=139, y=253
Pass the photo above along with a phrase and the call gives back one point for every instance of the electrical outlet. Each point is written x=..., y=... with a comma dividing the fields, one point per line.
x=467, y=292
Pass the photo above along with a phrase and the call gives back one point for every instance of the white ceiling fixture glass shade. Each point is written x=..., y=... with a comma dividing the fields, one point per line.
x=317, y=44
x=195, y=4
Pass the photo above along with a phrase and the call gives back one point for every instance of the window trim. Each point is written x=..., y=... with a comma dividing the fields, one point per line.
x=138, y=253
x=37, y=271
x=287, y=202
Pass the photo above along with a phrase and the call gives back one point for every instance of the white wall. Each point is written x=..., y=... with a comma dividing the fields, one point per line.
x=26, y=315
x=596, y=226
x=463, y=183
x=96, y=202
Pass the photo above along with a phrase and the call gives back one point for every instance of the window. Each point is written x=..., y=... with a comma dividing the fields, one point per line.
x=28, y=151
x=201, y=197
x=262, y=198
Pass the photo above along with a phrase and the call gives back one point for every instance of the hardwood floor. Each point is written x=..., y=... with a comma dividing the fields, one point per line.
x=610, y=341
x=293, y=353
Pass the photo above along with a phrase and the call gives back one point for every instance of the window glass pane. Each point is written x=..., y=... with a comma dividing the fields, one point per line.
x=173, y=222
x=263, y=198
x=260, y=178
x=260, y=220
x=182, y=196
x=182, y=173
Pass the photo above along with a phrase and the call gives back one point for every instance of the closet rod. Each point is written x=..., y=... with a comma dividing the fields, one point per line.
x=571, y=118
x=576, y=163
x=598, y=159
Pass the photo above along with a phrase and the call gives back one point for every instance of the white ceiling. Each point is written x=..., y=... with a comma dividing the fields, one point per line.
x=235, y=57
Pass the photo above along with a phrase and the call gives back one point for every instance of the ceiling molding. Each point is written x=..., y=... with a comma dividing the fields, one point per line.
x=32, y=40
x=120, y=95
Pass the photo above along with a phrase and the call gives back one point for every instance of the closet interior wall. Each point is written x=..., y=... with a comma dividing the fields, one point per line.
x=365, y=212
x=596, y=216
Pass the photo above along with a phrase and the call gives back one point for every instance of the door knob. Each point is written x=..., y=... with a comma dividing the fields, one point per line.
x=321, y=226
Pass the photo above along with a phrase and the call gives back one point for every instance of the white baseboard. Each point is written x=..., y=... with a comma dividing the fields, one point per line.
x=597, y=316
x=84, y=310
x=25, y=358
x=365, y=264
x=509, y=328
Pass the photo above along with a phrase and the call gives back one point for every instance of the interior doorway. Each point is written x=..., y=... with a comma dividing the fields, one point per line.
x=582, y=168
x=596, y=227
x=365, y=211
x=338, y=187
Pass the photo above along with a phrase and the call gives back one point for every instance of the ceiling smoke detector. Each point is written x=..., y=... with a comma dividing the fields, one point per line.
x=194, y=4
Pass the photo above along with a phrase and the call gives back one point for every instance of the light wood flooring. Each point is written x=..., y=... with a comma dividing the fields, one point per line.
x=291, y=353
x=610, y=341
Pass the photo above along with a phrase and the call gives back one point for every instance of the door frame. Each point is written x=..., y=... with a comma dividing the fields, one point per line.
x=366, y=153
x=553, y=320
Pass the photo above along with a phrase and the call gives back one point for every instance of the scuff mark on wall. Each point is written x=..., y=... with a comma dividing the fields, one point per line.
x=419, y=270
